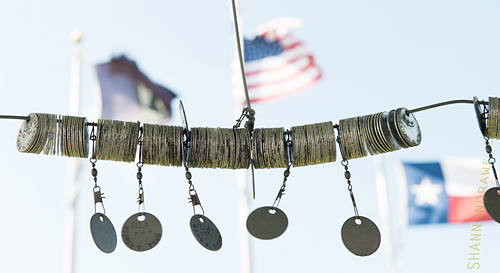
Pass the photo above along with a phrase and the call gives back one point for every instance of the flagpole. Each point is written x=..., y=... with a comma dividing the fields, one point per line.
x=74, y=165
x=241, y=175
x=383, y=203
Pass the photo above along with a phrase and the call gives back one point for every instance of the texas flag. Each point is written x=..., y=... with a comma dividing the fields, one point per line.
x=448, y=191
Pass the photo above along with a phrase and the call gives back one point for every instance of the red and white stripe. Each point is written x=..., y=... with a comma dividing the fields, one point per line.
x=462, y=184
x=292, y=71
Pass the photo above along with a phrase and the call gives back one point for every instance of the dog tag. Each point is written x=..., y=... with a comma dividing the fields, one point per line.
x=362, y=238
x=142, y=231
x=492, y=203
x=205, y=232
x=103, y=232
x=267, y=223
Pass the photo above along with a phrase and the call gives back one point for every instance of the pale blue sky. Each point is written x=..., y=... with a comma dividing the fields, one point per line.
x=375, y=56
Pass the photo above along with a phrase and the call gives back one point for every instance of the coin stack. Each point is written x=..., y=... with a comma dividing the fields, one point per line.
x=313, y=144
x=269, y=148
x=74, y=136
x=219, y=148
x=162, y=145
x=378, y=133
x=116, y=140
x=52, y=134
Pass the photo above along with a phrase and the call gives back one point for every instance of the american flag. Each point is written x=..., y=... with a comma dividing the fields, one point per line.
x=276, y=63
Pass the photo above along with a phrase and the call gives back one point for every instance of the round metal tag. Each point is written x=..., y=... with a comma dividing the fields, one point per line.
x=492, y=203
x=267, y=223
x=361, y=239
x=205, y=232
x=103, y=232
x=142, y=231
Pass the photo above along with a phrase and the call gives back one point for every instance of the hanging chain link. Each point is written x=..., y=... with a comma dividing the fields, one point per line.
x=281, y=192
x=347, y=174
x=489, y=150
x=98, y=196
x=139, y=165
x=491, y=160
x=193, y=199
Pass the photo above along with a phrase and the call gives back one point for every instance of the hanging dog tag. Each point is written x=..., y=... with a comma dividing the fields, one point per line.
x=103, y=232
x=205, y=232
x=267, y=223
x=142, y=231
x=362, y=238
x=492, y=203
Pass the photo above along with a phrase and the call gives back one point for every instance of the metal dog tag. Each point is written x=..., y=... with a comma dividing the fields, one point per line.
x=492, y=203
x=361, y=239
x=205, y=232
x=267, y=223
x=103, y=232
x=142, y=231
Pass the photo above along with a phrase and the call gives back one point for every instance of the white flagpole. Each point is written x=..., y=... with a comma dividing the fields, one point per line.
x=74, y=165
x=241, y=179
x=383, y=202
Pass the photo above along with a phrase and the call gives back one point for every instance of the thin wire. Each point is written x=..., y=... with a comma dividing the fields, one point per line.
x=442, y=104
x=246, y=89
x=240, y=55
x=15, y=117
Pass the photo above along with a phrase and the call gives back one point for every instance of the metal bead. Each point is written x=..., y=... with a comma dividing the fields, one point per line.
x=188, y=175
x=94, y=172
x=347, y=175
x=139, y=175
x=488, y=149
x=286, y=173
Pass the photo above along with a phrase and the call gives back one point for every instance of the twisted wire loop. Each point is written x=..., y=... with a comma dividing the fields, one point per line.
x=219, y=148
x=162, y=145
x=116, y=140
x=313, y=144
x=56, y=135
x=269, y=148
x=492, y=121
x=378, y=133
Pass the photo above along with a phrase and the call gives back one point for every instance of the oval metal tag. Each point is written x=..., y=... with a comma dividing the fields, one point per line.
x=263, y=224
x=205, y=232
x=103, y=232
x=142, y=231
x=492, y=203
x=361, y=239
